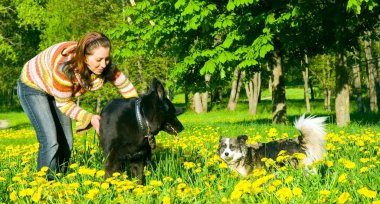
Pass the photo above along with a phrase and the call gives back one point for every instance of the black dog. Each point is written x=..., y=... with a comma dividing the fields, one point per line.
x=128, y=127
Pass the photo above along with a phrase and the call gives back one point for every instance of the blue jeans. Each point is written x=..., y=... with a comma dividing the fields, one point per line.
x=53, y=129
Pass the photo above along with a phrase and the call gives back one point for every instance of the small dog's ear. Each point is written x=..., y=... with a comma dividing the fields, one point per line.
x=242, y=138
x=256, y=145
x=221, y=138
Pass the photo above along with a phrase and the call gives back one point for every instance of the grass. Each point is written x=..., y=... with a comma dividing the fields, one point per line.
x=191, y=172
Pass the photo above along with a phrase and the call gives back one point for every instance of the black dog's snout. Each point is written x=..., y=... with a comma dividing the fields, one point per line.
x=226, y=153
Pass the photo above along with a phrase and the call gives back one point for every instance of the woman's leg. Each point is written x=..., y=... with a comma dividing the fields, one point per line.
x=36, y=106
x=64, y=136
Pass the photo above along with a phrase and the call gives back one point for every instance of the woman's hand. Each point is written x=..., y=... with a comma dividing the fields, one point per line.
x=95, y=122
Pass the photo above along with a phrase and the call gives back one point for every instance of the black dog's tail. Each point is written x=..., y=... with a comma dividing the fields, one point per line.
x=313, y=137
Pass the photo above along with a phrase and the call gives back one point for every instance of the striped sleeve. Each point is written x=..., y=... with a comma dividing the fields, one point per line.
x=62, y=92
x=123, y=84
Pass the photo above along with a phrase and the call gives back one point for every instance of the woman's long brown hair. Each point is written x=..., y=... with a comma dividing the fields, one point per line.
x=85, y=46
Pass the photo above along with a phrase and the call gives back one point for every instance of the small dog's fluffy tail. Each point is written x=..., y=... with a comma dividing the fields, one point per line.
x=313, y=137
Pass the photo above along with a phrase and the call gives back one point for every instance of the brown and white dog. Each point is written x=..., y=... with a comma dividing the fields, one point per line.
x=244, y=157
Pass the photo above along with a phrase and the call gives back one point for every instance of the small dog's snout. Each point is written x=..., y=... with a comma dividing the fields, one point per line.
x=226, y=153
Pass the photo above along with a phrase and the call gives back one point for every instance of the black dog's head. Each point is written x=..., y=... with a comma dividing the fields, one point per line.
x=159, y=110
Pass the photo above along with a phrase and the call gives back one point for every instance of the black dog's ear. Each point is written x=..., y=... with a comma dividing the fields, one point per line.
x=242, y=138
x=179, y=111
x=157, y=87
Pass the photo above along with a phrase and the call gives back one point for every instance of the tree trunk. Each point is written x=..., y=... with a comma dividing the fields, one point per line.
x=235, y=89
x=253, y=92
x=305, y=74
x=370, y=74
x=327, y=99
x=204, y=97
x=342, y=101
x=197, y=103
x=278, y=91
x=358, y=87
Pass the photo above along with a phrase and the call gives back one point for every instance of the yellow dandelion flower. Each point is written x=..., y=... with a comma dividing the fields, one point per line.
x=325, y=192
x=367, y=193
x=116, y=174
x=44, y=169
x=189, y=165
x=212, y=177
x=224, y=200
x=87, y=182
x=156, y=183
x=37, y=196
x=2, y=179
x=147, y=173
x=282, y=152
x=364, y=169
x=364, y=160
x=271, y=188
x=289, y=179
x=329, y=163
x=236, y=194
x=223, y=165
x=284, y=194
x=344, y=197
x=168, y=179
x=299, y=156
x=13, y=196
x=342, y=178
x=105, y=185
x=181, y=186
x=73, y=166
x=166, y=200
x=100, y=173
x=350, y=165
x=276, y=182
x=297, y=191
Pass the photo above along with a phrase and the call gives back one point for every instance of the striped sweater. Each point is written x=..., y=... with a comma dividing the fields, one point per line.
x=44, y=72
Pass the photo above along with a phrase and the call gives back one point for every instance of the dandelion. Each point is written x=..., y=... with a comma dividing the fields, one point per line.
x=166, y=200
x=342, y=178
x=13, y=196
x=289, y=179
x=189, y=165
x=325, y=192
x=115, y=174
x=297, y=191
x=73, y=166
x=168, y=178
x=44, y=169
x=100, y=173
x=364, y=169
x=344, y=197
x=92, y=193
x=284, y=194
x=105, y=185
x=87, y=182
x=367, y=193
x=271, y=188
x=156, y=183
x=364, y=160
x=36, y=196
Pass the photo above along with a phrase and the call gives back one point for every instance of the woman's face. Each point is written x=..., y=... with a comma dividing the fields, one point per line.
x=98, y=60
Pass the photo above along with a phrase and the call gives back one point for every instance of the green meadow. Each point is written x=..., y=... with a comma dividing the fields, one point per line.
x=190, y=171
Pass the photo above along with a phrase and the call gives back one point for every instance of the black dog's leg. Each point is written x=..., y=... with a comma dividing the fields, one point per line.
x=111, y=165
x=137, y=170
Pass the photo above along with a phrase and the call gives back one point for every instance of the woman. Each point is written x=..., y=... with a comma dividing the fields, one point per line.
x=49, y=82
